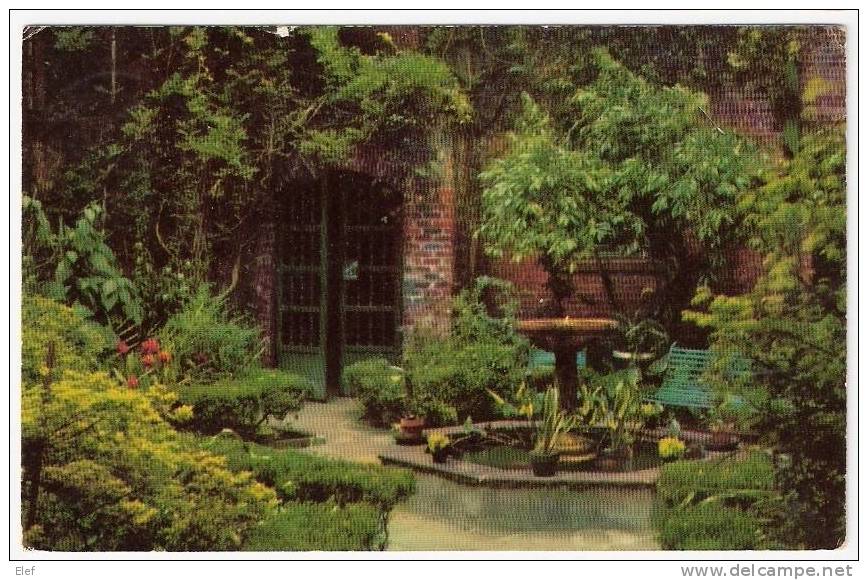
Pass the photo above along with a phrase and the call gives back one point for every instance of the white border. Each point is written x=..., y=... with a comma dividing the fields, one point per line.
x=18, y=19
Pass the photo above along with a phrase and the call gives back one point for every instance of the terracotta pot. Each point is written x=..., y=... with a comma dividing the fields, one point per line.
x=609, y=460
x=722, y=441
x=412, y=426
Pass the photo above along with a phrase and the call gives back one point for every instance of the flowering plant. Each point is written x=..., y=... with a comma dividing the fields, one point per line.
x=671, y=448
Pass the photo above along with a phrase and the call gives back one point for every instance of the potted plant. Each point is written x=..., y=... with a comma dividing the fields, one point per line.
x=553, y=423
x=622, y=418
x=410, y=425
x=439, y=446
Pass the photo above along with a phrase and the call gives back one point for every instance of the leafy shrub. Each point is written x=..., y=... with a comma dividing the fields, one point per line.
x=698, y=480
x=450, y=379
x=207, y=342
x=243, y=404
x=714, y=505
x=321, y=527
x=103, y=471
x=302, y=477
x=78, y=343
x=451, y=376
x=380, y=387
x=84, y=267
x=711, y=527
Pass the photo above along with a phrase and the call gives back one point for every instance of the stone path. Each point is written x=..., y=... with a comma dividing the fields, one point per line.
x=444, y=515
x=346, y=437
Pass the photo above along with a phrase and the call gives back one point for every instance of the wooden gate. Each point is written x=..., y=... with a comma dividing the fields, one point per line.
x=339, y=275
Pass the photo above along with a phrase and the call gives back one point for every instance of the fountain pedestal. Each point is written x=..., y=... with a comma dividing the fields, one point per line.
x=565, y=337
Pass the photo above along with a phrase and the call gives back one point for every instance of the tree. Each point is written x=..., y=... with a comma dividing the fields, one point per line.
x=633, y=168
x=792, y=326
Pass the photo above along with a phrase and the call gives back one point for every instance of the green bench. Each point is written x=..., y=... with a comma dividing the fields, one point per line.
x=683, y=382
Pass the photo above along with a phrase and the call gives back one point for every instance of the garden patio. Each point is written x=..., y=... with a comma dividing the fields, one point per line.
x=434, y=288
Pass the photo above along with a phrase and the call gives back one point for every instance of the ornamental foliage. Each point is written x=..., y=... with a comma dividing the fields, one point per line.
x=633, y=167
x=792, y=326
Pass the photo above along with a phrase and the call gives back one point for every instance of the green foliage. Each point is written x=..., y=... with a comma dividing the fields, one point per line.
x=73, y=38
x=792, y=326
x=207, y=342
x=380, y=388
x=103, y=471
x=693, y=481
x=318, y=527
x=78, y=344
x=711, y=527
x=393, y=97
x=767, y=59
x=628, y=166
x=552, y=424
x=451, y=377
x=76, y=266
x=228, y=116
x=243, y=404
x=717, y=504
x=613, y=401
x=307, y=478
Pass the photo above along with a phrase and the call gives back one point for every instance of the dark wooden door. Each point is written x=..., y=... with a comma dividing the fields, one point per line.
x=339, y=272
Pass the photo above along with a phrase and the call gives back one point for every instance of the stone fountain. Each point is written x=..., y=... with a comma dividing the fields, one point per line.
x=565, y=337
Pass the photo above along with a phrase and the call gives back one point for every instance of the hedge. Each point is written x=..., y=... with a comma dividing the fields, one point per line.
x=701, y=479
x=379, y=386
x=711, y=527
x=242, y=404
x=319, y=527
x=297, y=476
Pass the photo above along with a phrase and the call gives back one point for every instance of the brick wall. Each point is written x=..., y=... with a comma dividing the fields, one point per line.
x=429, y=228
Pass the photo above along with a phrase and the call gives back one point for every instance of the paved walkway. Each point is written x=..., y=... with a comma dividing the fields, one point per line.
x=346, y=436
x=443, y=515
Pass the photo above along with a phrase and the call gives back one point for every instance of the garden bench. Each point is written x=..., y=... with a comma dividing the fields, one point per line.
x=683, y=384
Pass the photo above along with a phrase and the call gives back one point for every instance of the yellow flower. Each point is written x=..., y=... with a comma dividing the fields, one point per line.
x=671, y=447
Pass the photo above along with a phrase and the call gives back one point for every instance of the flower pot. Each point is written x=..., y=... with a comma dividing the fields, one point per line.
x=613, y=460
x=440, y=455
x=722, y=441
x=544, y=464
x=410, y=429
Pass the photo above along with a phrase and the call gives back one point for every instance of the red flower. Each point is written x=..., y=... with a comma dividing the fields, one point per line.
x=165, y=356
x=150, y=346
x=123, y=347
x=148, y=360
x=133, y=382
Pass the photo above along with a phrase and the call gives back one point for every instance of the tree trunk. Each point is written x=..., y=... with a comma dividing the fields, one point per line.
x=567, y=376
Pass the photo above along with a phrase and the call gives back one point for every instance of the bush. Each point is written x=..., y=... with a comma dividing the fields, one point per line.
x=110, y=474
x=320, y=527
x=450, y=379
x=243, y=404
x=698, y=480
x=302, y=477
x=207, y=342
x=450, y=376
x=713, y=505
x=711, y=527
x=78, y=343
x=380, y=387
